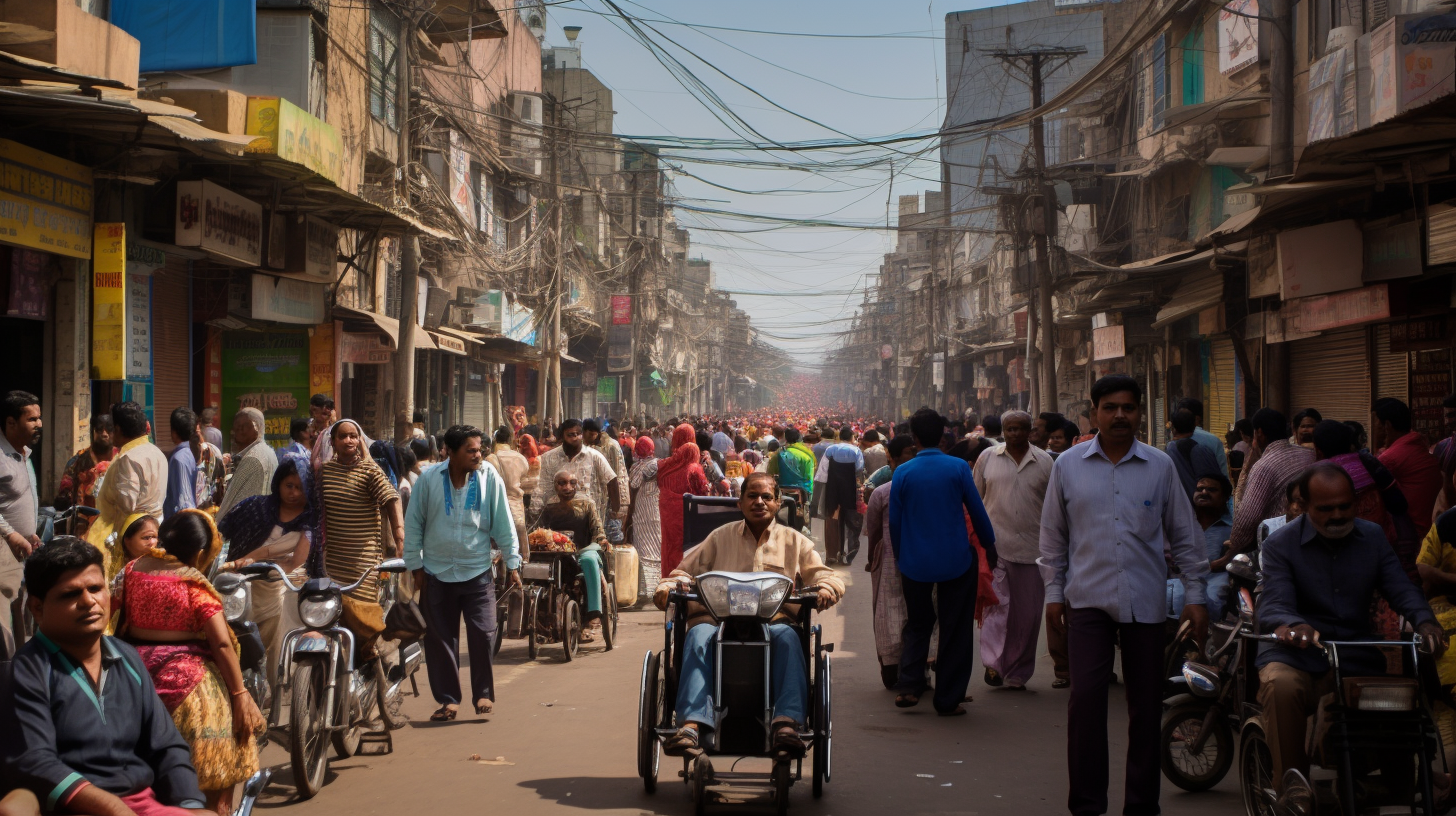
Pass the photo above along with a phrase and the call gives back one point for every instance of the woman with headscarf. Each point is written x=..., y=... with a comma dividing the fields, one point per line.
x=646, y=515
x=134, y=539
x=526, y=446
x=354, y=494
x=173, y=616
x=280, y=527
x=681, y=472
x=712, y=468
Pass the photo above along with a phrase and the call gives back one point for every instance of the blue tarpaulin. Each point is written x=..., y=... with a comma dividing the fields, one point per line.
x=190, y=35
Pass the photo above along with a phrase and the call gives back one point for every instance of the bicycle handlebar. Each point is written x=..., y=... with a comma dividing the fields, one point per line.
x=263, y=568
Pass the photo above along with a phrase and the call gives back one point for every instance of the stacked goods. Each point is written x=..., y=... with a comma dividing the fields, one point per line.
x=550, y=541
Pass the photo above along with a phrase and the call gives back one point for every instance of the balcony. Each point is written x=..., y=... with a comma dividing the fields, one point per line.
x=462, y=20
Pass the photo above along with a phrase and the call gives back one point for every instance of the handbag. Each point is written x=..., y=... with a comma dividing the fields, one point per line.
x=405, y=621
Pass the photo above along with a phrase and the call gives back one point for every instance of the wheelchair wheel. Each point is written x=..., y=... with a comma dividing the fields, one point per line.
x=609, y=617
x=783, y=777
x=649, y=714
x=823, y=727
x=1256, y=769
x=533, y=649
x=701, y=774
x=570, y=629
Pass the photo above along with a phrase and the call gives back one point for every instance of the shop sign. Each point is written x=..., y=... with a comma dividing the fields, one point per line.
x=1238, y=35
x=589, y=375
x=321, y=360
x=313, y=248
x=1344, y=308
x=1108, y=343
x=1320, y=259
x=45, y=201
x=619, y=348
x=144, y=259
x=1411, y=63
x=219, y=222
x=1392, y=251
x=607, y=389
x=139, y=328
x=108, y=299
x=460, y=179
x=1419, y=334
x=27, y=285
x=621, y=310
x=284, y=300
x=451, y=344
x=937, y=374
x=268, y=371
x=293, y=134
x=1430, y=382
x=1019, y=322
x=369, y=349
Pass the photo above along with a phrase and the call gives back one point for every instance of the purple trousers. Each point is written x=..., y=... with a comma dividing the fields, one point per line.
x=1010, y=629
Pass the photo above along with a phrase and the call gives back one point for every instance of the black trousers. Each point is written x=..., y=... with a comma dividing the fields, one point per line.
x=444, y=603
x=955, y=606
x=1092, y=640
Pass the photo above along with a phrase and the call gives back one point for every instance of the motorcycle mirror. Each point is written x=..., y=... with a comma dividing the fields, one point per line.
x=1242, y=567
x=1246, y=604
x=260, y=569
x=392, y=565
x=228, y=581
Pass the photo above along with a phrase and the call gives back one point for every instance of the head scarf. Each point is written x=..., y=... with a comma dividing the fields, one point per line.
x=252, y=520
x=323, y=449
x=684, y=451
x=115, y=550
x=526, y=444
x=206, y=555
x=644, y=449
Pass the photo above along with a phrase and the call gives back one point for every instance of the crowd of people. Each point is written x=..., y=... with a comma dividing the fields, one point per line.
x=1002, y=524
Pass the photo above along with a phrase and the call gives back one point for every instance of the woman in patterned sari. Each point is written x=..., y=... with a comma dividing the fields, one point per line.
x=681, y=472
x=173, y=616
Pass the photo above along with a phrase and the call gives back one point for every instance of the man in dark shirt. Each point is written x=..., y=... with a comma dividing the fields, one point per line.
x=1320, y=575
x=84, y=728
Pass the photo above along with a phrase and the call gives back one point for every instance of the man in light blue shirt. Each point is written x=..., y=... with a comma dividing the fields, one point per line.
x=1205, y=439
x=456, y=509
x=181, y=464
x=1111, y=505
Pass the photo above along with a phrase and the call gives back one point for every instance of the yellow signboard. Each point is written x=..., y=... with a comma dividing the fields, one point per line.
x=108, y=303
x=45, y=201
x=293, y=134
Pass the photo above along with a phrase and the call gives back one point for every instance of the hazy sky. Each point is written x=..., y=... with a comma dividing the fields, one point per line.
x=887, y=83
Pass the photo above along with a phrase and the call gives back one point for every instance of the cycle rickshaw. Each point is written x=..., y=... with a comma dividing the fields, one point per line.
x=741, y=675
x=549, y=606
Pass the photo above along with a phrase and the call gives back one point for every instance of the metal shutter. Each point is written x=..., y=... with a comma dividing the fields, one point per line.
x=1392, y=369
x=1331, y=374
x=171, y=346
x=1220, y=406
x=475, y=398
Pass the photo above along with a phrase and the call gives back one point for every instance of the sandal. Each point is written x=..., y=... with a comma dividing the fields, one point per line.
x=483, y=707
x=907, y=700
x=786, y=740
x=992, y=677
x=587, y=636
x=683, y=743
x=445, y=714
x=1062, y=682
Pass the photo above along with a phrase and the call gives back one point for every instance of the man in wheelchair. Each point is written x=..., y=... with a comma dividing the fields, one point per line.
x=576, y=516
x=1321, y=572
x=756, y=544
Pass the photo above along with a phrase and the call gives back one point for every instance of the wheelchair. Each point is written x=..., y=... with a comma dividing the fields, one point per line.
x=741, y=687
x=550, y=605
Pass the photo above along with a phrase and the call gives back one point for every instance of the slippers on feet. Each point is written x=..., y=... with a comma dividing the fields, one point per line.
x=786, y=740
x=1061, y=683
x=484, y=707
x=684, y=742
x=445, y=714
x=907, y=700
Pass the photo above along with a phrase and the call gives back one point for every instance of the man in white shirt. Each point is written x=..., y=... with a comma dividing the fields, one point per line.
x=594, y=475
x=512, y=467
x=1012, y=480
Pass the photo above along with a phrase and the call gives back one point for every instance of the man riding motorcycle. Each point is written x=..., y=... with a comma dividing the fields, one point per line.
x=1321, y=572
x=756, y=544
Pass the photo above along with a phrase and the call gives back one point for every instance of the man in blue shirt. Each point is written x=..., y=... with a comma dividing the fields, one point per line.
x=181, y=464
x=841, y=470
x=934, y=553
x=85, y=731
x=456, y=509
x=1205, y=439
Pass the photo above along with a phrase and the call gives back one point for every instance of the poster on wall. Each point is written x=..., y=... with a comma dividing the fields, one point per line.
x=27, y=284
x=268, y=371
x=1238, y=35
x=139, y=329
x=321, y=360
x=108, y=299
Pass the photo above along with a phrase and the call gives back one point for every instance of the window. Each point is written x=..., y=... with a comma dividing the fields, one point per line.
x=384, y=66
x=1159, y=70
x=1193, y=67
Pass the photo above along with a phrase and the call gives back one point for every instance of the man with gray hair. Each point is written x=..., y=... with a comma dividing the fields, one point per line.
x=253, y=461
x=1012, y=480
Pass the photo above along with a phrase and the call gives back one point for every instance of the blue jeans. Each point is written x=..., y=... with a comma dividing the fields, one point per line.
x=1217, y=589
x=591, y=573
x=788, y=676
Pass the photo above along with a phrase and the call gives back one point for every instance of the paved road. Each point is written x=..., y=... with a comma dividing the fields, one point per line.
x=568, y=732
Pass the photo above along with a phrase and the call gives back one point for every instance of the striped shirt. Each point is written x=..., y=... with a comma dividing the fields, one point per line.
x=1263, y=485
x=1104, y=528
x=353, y=496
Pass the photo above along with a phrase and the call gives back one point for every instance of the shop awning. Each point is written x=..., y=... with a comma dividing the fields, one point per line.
x=1195, y=295
x=449, y=344
x=386, y=325
x=492, y=348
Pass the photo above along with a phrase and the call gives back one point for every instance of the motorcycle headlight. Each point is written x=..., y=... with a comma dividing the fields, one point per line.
x=737, y=594
x=1381, y=693
x=319, y=611
x=234, y=602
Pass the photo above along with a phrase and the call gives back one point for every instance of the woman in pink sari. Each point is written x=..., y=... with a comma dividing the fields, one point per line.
x=679, y=473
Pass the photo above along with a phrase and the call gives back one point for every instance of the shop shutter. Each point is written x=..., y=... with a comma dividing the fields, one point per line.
x=1220, y=407
x=171, y=346
x=475, y=398
x=1331, y=374
x=1392, y=369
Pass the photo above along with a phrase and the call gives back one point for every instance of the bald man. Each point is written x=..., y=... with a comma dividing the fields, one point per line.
x=253, y=461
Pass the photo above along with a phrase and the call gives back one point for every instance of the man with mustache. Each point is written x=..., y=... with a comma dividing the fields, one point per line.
x=19, y=500
x=1321, y=572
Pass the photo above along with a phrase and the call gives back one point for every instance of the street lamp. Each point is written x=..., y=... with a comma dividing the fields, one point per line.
x=571, y=32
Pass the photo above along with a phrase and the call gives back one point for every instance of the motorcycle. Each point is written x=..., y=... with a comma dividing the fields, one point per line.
x=236, y=592
x=333, y=690
x=1201, y=695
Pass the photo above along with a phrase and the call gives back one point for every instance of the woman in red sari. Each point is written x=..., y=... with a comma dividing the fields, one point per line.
x=679, y=473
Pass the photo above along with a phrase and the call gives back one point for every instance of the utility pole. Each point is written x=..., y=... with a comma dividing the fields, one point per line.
x=558, y=279
x=635, y=285
x=1037, y=63
x=409, y=276
x=1281, y=163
